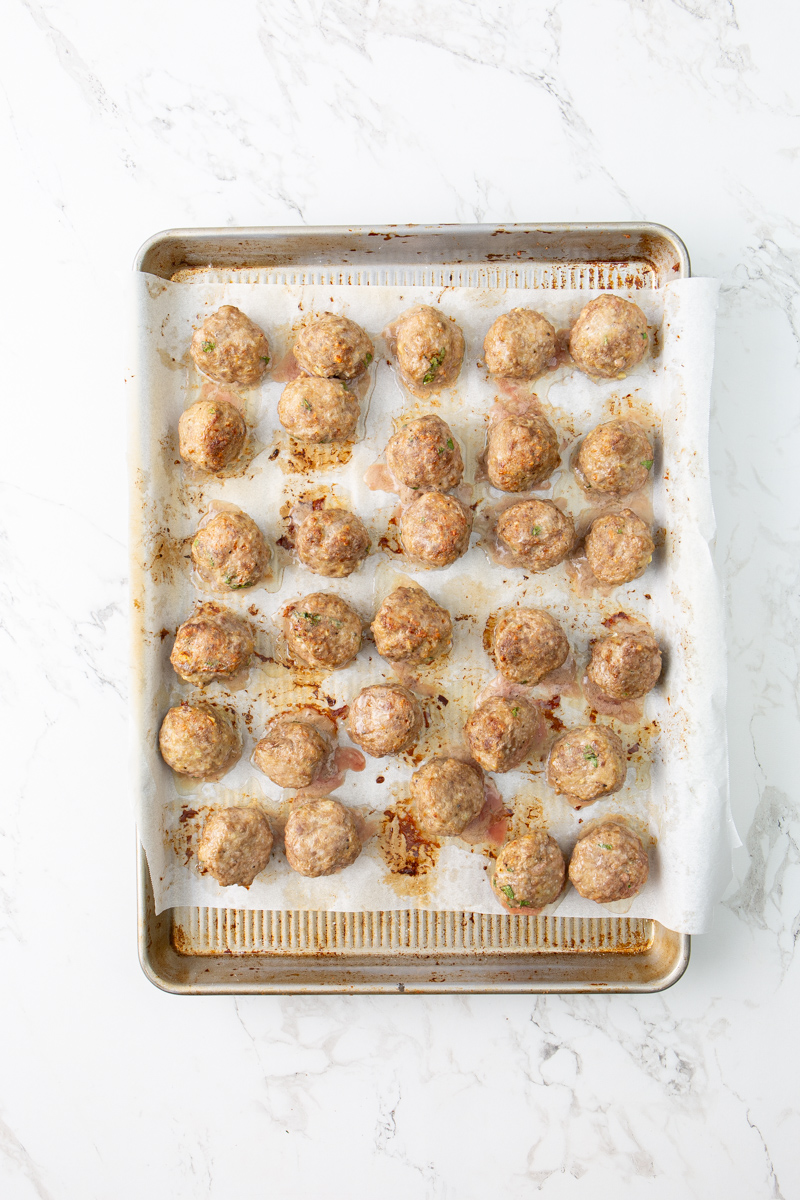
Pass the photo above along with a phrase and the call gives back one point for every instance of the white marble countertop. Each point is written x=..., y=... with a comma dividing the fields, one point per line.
x=118, y=121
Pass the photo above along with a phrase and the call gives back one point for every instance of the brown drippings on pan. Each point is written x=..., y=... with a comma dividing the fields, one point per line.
x=390, y=541
x=166, y=556
x=406, y=851
x=299, y=457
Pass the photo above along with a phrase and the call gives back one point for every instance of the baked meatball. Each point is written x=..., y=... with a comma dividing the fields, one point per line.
x=230, y=552
x=321, y=838
x=448, y=794
x=521, y=452
x=424, y=454
x=211, y=434
x=625, y=665
x=333, y=347
x=501, y=732
x=528, y=644
x=213, y=644
x=537, y=533
x=318, y=410
x=529, y=871
x=609, y=863
x=323, y=631
x=198, y=740
x=292, y=752
x=587, y=763
x=411, y=627
x=615, y=458
x=332, y=542
x=609, y=337
x=230, y=348
x=619, y=547
x=519, y=345
x=236, y=845
x=384, y=719
x=429, y=348
x=435, y=529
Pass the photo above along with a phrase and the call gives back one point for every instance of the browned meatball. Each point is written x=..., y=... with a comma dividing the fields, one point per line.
x=333, y=347
x=332, y=542
x=323, y=631
x=625, y=665
x=521, y=452
x=615, y=458
x=528, y=644
x=213, y=644
x=435, y=529
x=537, y=533
x=211, y=434
x=587, y=763
x=424, y=454
x=411, y=627
x=236, y=845
x=609, y=863
x=501, y=732
x=318, y=410
x=321, y=838
x=230, y=552
x=619, y=547
x=230, y=348
x=292, y=752
x=448, y=794
x=519, y=345
x=429, y=349
x=609, y=337
x=384, y=719
x=529, y=872
x=198, y=740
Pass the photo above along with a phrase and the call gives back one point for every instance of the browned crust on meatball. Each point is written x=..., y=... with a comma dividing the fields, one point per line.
x=385, y=719
x=625, y=666
x=587, y=763
x=429, y=349
x=521, y=452
x=501, y=732
x=615, y=458
x=530, y=872
x=198, y=740
x=213, y=643
x=520, y=344
x=447, y=794
x=619, y=547
x=230, y=348
x=211, y=434
x=318, y=410
x=333, y=347
x=424, y=454
x=332, y=542
x=609, y=337
x=323, y=631
x=235, y=846
x=321, y=838
x=291, y=753
x=537, y=533
x=435, y=529
x=411, y=627
x=527, y=644
x=231, y=552
x=609, y=863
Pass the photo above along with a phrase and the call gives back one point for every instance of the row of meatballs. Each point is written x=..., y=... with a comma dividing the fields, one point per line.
x=608, y=863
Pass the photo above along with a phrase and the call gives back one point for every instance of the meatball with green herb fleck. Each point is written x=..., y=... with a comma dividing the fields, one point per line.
x=332, y=542
x=230, y=552
x=520, y=344
x=424, y=454
x=447, y=795
x=625, y=666
x=529, y=872
x=609, y=863
x=230, y=348
x=318, y=410
x=211, y=435
x=429, y=349
x=615, y=458
x=609, y=337
x=521, y=452
x=333, y=347
x=384, y=719
x=323, y=631
x=435, y=529
x=502, y=731
x=292, y=751
x=199, y=740
x=538, y=534
x=619, y=547
x=410, y=627
x=527, y=644
x=587, y=763
x=213, y=643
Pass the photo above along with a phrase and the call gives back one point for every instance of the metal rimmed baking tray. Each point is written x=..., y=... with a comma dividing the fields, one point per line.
x=212, y=950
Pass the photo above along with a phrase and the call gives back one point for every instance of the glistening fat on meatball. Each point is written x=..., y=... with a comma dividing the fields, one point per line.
x=424, y=454
x=211, y=434
x=447, y=795
x=333, y=347
x=235, y=846
x=609, y=863
x=521, y=452
x=529, y=872
x=411, y=627
x=230, y=348
x=429, y=349
x=230, y=552
x=332, y=542
x=321, y=838
x=384, y=719
x=435, y=529
x=323, y=631
x=213, y=644
x=501, y=732
x=619, y=547
x=318, y=410
x=292, y=752
x=625, y=666
x=519, y=345
x=198, y=740
x=537, y=533
x=609, y=337
x=527, y=644
x=587, y=763
x=615, y=458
